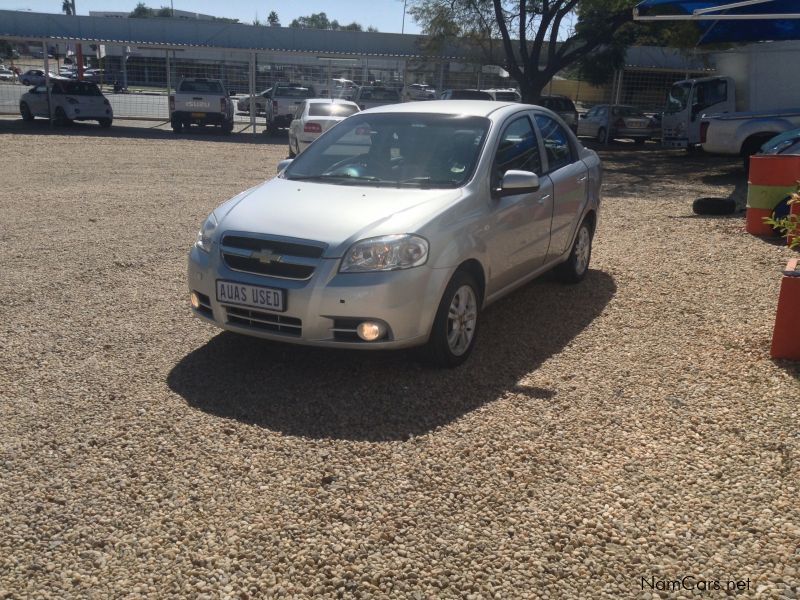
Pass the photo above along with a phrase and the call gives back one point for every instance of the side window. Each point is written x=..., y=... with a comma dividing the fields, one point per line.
x=591, y=113
x=556, y=143
x=712, y=92
x=518, y=149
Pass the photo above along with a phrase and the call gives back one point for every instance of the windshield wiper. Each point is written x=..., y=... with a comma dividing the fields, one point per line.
x=326, y=176
x=426, y=182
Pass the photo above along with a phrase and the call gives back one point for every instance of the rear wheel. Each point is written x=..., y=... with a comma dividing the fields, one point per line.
x=640, y=141
x=25, y=111
x=601, y=135
x=227, y=126
x=456, y=324
x=575, y=267
x=105, y=123
x=292, y=153
x=177, y=126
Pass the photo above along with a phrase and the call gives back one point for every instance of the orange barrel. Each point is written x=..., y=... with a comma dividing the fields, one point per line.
x=772, y=178
x=786, y=335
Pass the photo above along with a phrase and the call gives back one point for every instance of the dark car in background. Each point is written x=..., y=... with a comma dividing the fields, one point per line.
x=563, y=107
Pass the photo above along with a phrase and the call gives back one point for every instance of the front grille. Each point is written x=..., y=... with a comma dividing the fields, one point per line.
x=276, y=258
x=264, y=321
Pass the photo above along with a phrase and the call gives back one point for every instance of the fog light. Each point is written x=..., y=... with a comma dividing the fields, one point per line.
x=195, y=300
x=369, y=331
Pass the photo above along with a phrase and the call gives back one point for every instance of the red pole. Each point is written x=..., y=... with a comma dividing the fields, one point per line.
x=79, y=58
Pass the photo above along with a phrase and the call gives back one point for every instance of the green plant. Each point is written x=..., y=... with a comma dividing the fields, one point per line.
x=789, y=226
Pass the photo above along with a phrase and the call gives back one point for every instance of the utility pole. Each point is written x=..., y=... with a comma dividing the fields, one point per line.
x=403, y=26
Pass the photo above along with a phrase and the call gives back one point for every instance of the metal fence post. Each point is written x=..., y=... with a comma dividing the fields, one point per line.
x=47, y=82
x=252, y=86
x=166, y=53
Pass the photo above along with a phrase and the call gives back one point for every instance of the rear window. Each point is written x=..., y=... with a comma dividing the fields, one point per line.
x=324, y=109
x=470, y=95
x=294, y=92
x=201, y=87
x=626, y=111
x=506, y=96
x=558, y=104
x=379, y=94
x=76, y=88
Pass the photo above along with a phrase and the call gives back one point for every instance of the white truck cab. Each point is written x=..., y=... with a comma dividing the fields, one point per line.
x=687, y=101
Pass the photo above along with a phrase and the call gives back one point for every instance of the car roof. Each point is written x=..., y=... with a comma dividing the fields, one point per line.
x=474, y=108
x=329, y=101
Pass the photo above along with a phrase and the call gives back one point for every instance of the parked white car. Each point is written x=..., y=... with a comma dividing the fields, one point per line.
x=398, y=226
x=72, y=101
x=243, y=103
x=6, y=74
x=313, y=118
x=418, y=91
x=35, y=77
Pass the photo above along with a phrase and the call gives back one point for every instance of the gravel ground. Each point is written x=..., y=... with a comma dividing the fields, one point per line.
x=602, y=439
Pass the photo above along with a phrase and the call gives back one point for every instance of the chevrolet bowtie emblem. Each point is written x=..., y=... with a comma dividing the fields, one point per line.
x=266, y=256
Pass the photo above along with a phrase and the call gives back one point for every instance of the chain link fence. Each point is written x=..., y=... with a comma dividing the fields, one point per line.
x=137, y=81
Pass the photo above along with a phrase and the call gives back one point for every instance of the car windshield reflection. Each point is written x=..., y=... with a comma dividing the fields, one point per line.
x=420, y=150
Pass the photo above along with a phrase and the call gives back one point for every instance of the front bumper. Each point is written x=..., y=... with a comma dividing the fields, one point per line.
x=320, y=308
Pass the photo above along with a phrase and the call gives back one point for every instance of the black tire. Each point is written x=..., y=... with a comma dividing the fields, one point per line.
x=61, y=117
x=640, y=141
x=601, y=135
x=25, y=82
x=447, y=346
x=292, y=153
x=25, y=111
x=574, y=269
x=105, y=123
x=714, y=206
x=227, y=127
x=177, y=126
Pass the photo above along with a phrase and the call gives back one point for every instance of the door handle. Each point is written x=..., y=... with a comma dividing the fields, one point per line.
x=543, y=198
x=582, y=179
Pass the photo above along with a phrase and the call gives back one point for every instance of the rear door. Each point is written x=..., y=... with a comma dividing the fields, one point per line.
x=569, y=176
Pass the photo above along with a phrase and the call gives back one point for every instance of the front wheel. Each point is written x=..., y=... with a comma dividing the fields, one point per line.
x=177, y=126
x=61, y=117
x=575, y=267
x=601, y=135
x=456, y=324
x=25, y=111
x=105, y=123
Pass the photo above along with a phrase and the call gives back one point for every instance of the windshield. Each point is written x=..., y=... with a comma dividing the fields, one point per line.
x=77, y=88
x=330, y=109
x=678, y=97
x=395, y=150
x=506, y=96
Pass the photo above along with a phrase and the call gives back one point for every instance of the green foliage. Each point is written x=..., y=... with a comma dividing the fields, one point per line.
x=6, y=50
x=536, y=39
x=321, y=21
x=788, y=225
x=164, y=11
x=142, y=11
x=273, y=19
x=68, y=7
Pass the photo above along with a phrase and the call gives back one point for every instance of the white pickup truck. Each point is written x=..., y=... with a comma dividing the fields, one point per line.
x=755, y=96
x=200, y=102
x=282, y=103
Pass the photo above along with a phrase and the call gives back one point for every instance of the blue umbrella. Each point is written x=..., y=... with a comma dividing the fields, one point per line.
x=728, y=20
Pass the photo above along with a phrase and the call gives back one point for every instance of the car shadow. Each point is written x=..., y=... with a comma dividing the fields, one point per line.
x=142, y=130
x=382, y=396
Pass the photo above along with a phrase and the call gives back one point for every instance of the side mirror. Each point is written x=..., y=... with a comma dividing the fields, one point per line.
x=284, y=163
x=518, y=182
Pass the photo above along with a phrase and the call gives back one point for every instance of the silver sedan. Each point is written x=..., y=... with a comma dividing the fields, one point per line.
x=397, y=227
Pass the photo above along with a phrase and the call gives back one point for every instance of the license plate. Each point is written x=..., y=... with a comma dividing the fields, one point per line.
x=199, y=115
x=637, y=124
x=254, y=296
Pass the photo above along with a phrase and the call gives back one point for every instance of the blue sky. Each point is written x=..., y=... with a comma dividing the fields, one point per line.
x=386, y=15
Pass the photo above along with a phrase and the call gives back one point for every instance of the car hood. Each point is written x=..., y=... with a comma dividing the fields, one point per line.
x=337, y=215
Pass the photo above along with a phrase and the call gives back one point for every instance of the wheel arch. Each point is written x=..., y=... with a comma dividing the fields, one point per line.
x=475, y=268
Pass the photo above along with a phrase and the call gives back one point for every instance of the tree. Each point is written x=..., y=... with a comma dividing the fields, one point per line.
x=321, y=21
x=68, y=7
x=164, y=11
x=524, y=35
x=273, y=19
x=141, y=11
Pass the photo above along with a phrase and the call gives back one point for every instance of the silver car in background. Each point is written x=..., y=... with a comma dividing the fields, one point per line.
x=397, y=227
x=314, y=117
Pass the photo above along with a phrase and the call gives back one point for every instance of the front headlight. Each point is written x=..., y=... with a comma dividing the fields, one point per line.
x=206, y=231
x=386, y=253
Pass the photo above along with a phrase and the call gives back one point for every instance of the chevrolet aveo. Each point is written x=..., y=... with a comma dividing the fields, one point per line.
x=398, y=226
